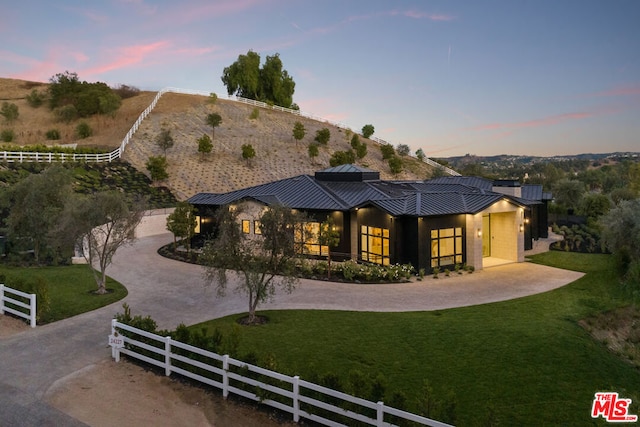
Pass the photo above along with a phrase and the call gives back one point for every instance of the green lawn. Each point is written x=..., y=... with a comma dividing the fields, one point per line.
x=70, y=289
x=520, y=362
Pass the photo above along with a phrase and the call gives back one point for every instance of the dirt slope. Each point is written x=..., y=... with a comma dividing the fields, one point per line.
x=277, y=154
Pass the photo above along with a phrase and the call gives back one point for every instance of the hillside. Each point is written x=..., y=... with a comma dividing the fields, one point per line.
x=277, y=154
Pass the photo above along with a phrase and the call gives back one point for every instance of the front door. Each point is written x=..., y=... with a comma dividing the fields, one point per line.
x=486, y=235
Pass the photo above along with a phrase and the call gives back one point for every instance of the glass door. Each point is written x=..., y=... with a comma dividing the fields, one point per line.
x=486, y=235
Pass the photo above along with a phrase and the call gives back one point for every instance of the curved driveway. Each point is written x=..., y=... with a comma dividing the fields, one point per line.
x=172, y=292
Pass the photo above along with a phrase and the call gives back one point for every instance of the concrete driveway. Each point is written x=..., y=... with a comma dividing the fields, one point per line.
x=172, y=292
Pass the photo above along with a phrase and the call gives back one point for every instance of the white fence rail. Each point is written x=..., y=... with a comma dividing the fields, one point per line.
x=20, y=156
x=290, y=394
x=27, y=302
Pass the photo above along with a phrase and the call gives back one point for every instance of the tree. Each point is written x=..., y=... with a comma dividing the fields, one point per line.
x=594, y=205
x=204, y=145
x=36, y=203
x=568, y=193
x=276, y=86
x=330, y=237
x=213, y=120
x=248, y=152
x=164, y=141
x=387, y=151
x=102, y=223
x=342, y=158
x=322, y=136
x=313, y=152
x=361, y=151
x=271, y=84
x=403, y=149
x=298, y=131
x=63, y=89
x=9, y=111
x=367, y=130
x=157, y=167
x=265, y=263
x=355, y=141
x=420, y=154
x=395, y=165
x=182, y=223
x=87, y=98
x=621, y=233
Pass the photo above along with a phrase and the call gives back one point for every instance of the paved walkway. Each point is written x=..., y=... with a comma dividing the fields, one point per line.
x=172, y=292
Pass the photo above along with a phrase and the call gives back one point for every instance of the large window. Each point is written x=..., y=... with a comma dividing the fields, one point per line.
x=307, y=235
x=374, y=242
x=446, y=246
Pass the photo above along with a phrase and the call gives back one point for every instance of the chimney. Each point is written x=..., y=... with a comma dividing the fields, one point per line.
x=510, y=187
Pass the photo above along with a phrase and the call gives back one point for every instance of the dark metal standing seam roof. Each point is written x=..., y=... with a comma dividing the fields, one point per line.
x=401, y=198
x=300, y=192
x=469, y=181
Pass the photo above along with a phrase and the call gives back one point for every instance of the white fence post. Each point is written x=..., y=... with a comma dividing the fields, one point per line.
x=380, y=418
x=225, y=376
x=32, y=300
x=1, y=299
x=167, y=356
x=115, y=352
x=296, y=402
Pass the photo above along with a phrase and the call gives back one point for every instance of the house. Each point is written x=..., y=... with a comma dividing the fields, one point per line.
x=438, y=223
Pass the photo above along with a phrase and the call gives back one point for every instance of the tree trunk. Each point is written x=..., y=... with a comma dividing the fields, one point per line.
x=329, y=264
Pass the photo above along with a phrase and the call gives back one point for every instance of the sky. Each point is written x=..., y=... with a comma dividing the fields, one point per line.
x=480, y=77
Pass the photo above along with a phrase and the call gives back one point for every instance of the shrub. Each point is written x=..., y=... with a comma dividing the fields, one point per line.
x=9, y=111
x=7, y=135
x=66, y=114
x=213, y=98
x=387, y=151
x=342, y=158
x=35, y=98
x=157, y=167
x=125, y=91
x=361, y=151
x=83, y=130
x=395, y=165
x=355, y=141
x=53, y=134
x=255, y=113
x=323, y=136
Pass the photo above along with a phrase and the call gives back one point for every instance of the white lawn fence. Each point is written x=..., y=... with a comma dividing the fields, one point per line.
x=27, y=302
x=284, y=392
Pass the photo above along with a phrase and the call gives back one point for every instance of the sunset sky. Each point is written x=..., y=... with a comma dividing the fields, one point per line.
x=543, y=77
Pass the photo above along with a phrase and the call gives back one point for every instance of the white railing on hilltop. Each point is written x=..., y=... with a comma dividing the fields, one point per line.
x=19, y=156
x=233, y=376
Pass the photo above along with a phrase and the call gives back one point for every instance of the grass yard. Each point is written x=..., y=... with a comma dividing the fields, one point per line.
x=520, y=362
x=69, y=288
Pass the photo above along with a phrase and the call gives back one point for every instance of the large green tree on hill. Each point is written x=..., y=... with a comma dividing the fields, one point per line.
x=270, y=84
x=87, y=98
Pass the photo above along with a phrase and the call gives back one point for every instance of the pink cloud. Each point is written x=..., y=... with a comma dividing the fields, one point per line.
x=629, y=90
x=429, y=16
x=127, y=56
x=546, y=121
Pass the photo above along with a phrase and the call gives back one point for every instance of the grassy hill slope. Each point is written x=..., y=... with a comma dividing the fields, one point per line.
x=277, y=154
